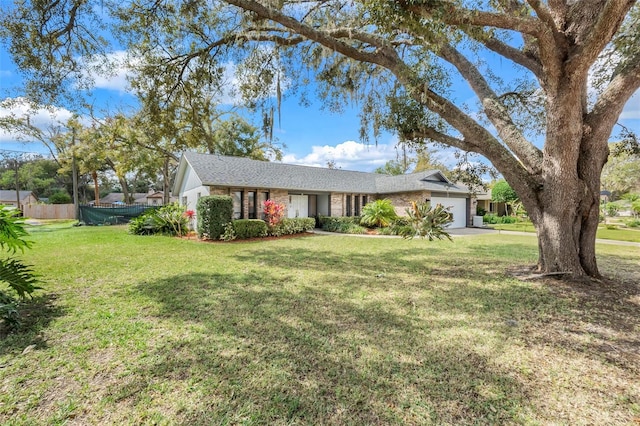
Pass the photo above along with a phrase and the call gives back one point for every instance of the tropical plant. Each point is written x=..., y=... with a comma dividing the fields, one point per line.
x=380, y=213
x=19, y=277
x=611, y=209
x=273, y=213
x=428, y=222
x=167, y=220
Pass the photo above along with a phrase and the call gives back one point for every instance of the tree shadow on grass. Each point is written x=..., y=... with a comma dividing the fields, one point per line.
x=35, y=316
x=267, y=352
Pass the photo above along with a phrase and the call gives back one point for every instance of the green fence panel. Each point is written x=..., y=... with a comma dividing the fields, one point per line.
x=92, y=215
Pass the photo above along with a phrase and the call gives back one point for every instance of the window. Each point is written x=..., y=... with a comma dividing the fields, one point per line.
x=237, y=204
x=184, y=201
x=348, y=202
x=199, y=196
x=492, y=207
x=356, y=205
x=251, y=200
x=365, y=200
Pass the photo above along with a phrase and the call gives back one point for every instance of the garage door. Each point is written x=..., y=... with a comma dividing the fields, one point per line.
x=457, y=206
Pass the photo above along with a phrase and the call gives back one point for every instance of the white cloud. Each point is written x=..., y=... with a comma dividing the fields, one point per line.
x=110, y=74
x=40, y=117
x=348, y=155
x=117, y=78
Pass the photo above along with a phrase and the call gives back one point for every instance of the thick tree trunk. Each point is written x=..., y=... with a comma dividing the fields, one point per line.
x=565, y=209
x=566, y=237
x=125, y=190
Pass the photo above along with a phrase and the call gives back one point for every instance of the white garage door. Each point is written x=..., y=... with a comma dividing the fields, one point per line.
x=457, y=206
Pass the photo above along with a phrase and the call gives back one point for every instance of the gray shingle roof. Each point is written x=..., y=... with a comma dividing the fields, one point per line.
x=10, y=195
x=219, y=170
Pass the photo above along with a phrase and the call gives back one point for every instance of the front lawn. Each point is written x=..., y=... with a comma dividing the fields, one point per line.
x=318, y=330
x=616, y=232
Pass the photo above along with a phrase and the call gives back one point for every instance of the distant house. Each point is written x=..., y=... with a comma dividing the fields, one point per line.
x=311, y=191
x=490, y=207
x=153, y=198
x=8, y=197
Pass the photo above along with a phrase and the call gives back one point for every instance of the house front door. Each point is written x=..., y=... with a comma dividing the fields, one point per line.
x=298, y=206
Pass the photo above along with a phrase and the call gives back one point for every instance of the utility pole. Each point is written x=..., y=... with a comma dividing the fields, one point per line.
x=74, y=172
x=17, y=167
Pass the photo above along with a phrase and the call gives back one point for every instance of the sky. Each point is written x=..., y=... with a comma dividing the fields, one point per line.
x=310, y=135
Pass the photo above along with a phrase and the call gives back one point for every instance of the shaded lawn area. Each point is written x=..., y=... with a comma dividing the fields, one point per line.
x=318, y=330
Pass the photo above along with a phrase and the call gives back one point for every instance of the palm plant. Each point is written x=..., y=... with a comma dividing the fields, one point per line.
x=428, y=222
x=378, y=213
x=19, y=277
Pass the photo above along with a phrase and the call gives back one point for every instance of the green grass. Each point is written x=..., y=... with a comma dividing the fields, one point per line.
x=618, y=234
x=316, y=330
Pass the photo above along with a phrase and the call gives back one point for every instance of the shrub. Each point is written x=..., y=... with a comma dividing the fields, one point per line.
x=213, y=212
x=339, y=224
x=290, y=226
x=60, y=197
x=635, y=207
x=401, y=226
x=611, y=209
x=142, y=225
x=428, y=222
x=630, y=196
x=166, y=220
x=249, y=228
x=633, y=223
x=229, y=233
x=493, y=219
x=378, y=213
x=19, y=277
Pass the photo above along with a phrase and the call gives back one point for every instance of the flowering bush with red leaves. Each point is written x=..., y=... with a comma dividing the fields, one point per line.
x=273, y=213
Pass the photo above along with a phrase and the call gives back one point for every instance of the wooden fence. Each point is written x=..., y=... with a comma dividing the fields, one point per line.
x=49, y=211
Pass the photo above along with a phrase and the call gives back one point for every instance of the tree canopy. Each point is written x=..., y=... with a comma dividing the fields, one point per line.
x=545, y=129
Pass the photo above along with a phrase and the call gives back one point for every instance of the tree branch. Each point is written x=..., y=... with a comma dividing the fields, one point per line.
x=545, y=17
x=495, y=110
x=598, y=35
x=455, y=15
x=515, y=55
x=609, y=105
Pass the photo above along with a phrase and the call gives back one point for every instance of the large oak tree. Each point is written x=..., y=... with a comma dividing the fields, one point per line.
x=546, y=131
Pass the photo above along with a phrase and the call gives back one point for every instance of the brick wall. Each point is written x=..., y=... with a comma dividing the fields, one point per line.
x=401, y=201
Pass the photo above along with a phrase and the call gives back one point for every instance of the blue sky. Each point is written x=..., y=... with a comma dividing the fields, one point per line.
x=312, y=136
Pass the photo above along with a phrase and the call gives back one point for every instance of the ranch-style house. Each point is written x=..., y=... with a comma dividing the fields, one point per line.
x=311, y=191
